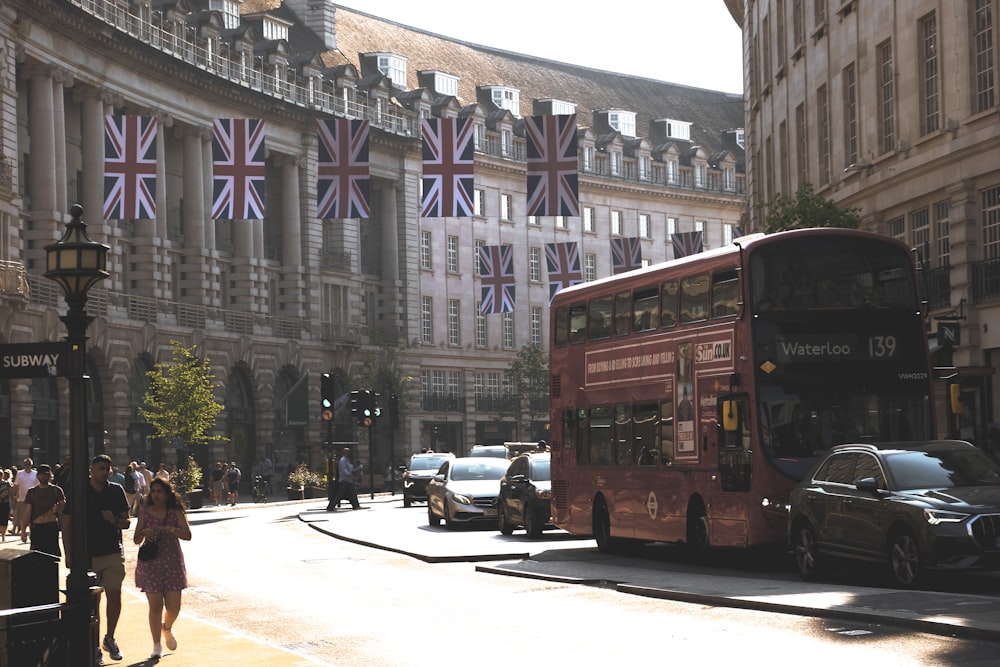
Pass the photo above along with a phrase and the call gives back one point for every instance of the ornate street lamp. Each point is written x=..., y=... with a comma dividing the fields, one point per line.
x=78, y=263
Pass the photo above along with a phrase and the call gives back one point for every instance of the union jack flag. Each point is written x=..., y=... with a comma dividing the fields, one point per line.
x=687, y=243
x=343, y=187
x=626, y=254
x=448, y=180
x=238, y=169
x=552, y=165
x=563, y=261
x=496, y=273
x=129, y=167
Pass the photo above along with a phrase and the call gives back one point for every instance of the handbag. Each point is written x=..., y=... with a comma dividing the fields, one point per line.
x=148, y=550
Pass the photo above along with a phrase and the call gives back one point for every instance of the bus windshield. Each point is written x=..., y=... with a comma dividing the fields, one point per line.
x=828, y=273
x=800, y=421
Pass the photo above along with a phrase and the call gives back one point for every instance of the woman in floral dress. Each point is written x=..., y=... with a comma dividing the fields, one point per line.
x=162, y=520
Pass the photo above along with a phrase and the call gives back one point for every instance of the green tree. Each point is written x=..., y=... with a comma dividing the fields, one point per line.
x=806, y=209
x=527, y=385
x=180, y=402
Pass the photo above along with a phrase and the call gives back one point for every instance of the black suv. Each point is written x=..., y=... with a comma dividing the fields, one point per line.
x=910, y=505
x=525, y=495
x=421, y=469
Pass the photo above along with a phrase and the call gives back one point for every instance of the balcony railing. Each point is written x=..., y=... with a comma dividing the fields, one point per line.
x=442, y=404
x=986, y=279
x=497, y=404
x=937, y=287
x=255, y=73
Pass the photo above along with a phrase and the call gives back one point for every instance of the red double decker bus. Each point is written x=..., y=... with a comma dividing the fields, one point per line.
x=688, y=398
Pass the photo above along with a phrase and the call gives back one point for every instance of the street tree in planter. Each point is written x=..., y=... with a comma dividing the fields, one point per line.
x=180, y=403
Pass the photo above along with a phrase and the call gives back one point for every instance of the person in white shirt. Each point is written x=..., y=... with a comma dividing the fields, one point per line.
x=26, y=478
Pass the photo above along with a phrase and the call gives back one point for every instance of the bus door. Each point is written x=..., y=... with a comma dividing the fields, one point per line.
x=735, y=469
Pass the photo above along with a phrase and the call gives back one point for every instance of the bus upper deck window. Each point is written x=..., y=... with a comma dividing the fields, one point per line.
x=646, y=309
x=561, y=333
x=668, y=304
x=578, y=323
x=599, y=323
x=694, y=298
x=725, y=293
x=623, y=313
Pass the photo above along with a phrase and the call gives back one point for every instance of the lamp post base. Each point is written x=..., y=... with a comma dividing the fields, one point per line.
x=83, y=626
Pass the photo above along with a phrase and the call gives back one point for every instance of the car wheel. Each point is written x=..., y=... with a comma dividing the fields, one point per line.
x=531, y=523
x=505, y=528
x=697, y=527
x=904, y=558
x=806, y=551
x=406, y=501
x=602, y=529
x=432, y=518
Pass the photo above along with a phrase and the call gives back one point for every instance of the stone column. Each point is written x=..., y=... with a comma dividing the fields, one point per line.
x=291, y=212
x=41, y=130
x=92, y=148
x=61, y=79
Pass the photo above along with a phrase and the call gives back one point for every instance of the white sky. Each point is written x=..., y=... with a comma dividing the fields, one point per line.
x=690, y=42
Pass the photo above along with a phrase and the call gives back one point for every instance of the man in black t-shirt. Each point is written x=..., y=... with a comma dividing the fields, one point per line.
x=107, y=514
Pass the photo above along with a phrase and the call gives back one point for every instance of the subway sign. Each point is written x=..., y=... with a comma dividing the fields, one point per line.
x=34, y=360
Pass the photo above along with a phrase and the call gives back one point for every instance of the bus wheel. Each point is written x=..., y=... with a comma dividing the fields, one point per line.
x=697, y=527
x=602, y=529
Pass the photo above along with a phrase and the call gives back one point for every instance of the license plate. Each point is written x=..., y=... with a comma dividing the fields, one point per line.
x=490, y=511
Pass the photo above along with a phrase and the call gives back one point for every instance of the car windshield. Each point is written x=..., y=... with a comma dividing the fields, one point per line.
x=540, y=471
x=942, y=469
x=483, y=469
x=426, y=463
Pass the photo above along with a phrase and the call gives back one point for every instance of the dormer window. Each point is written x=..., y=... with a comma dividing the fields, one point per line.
x=740, y=140
x=275, y=29
x=677, y=129
x=230, y=10
x=393, y=67
x=445, y=84
x=623, y=122
x=507, y=98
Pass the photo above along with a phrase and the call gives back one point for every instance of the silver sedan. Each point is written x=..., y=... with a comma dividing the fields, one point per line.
x=465, y=490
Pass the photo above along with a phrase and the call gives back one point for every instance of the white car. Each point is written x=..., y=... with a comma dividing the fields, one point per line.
x=465, y=490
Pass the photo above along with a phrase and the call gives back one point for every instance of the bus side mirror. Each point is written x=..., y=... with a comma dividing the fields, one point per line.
x=730, y=417
x=955, y=398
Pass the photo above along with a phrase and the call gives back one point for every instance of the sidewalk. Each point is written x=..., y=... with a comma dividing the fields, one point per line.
x=200, y=642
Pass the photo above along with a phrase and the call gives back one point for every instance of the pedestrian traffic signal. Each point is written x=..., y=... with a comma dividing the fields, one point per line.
x=326, y=391
x=356, y=404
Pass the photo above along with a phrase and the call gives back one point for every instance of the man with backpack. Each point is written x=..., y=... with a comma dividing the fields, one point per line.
x=233, y=480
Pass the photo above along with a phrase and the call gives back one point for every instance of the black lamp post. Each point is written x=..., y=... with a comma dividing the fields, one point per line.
x=77, y=263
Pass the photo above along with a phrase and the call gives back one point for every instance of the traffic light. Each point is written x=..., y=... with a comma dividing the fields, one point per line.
x=326, y=391
x=366, y=408
x=356, y=404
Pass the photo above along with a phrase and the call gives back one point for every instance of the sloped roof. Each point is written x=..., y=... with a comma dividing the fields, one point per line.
x=591, y=90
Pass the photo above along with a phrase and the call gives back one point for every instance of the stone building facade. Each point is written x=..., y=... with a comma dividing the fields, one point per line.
x=274, y=303
x=891, y=107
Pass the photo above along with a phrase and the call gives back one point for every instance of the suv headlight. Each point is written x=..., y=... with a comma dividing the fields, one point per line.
x=543, y=494
x=935, y=517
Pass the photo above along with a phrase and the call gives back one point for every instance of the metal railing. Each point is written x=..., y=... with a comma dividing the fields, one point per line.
x=14, y=279
x=985, y=279
x=937, y=287
x=442, y=403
